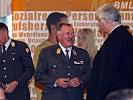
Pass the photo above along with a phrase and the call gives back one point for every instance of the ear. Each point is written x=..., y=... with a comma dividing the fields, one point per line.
x=58, y=35
x=5, y=32
x=53, y=27
x=107, y=21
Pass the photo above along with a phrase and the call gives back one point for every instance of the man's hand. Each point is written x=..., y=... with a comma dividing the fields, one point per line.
x=11, y=87
x=74, y=82
x=62, y=82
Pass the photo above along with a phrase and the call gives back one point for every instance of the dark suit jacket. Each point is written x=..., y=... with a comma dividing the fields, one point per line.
x=113, y=65
x=53, y=64
x=17, y=65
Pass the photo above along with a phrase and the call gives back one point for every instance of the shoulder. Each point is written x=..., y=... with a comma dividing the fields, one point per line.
x=80, y=50
x=120, y=36
x=43, y=45
x=18, y=43
x=50, y=50
x=51, y=47
x=20, y=46
x=80, y=53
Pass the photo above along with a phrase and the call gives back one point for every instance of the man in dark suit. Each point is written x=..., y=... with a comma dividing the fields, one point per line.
x=16, y=66
x=63, y=69
x=113, y=64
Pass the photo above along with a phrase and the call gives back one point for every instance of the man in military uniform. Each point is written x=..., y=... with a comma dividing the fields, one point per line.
x=16, y=66
x=63, y=69
x=52, y=21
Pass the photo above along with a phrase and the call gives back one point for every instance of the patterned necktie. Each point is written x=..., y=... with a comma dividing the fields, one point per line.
x=67, y=56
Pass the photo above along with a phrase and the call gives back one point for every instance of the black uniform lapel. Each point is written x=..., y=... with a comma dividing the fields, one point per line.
x=73, y=55
x=0, y=51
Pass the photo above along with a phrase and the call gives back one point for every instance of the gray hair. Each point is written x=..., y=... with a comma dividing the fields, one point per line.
x=109, y=12
x=123, y=94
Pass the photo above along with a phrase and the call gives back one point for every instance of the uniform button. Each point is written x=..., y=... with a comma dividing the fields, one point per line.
x=68, y=90
x=54, y=66
x=4, y=68
x=45, y=91
x=4, y=60
x=13, y=58
x=68, y=73
x=68, y=66
x=5, y=76
x=81, y=68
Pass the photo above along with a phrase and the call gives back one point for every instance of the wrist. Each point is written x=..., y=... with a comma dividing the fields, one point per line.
x=80, y=80
x=16, y=82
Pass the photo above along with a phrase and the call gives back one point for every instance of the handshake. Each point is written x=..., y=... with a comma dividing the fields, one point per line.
x=67, y=82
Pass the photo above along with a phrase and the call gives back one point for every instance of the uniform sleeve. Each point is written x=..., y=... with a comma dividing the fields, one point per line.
x=41, y=75
x=26, y=61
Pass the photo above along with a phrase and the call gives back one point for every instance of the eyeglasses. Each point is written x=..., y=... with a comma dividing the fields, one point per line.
x=69, y=33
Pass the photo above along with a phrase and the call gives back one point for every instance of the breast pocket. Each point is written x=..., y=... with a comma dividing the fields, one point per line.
x=54, y=67
x=13, y=60
x=13, y=57
x=80, y=69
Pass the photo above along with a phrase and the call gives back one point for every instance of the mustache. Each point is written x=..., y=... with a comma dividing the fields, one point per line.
x=70, y=39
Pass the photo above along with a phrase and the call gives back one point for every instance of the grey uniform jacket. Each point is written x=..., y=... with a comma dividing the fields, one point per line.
x=53, y=64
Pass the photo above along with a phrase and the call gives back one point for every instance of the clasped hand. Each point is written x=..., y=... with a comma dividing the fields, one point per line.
x=11, y=87
x=67, y=82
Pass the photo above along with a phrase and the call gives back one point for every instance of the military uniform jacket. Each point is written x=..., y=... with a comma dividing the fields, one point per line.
x=53, y=64
x=113, y=65
x=16, y=65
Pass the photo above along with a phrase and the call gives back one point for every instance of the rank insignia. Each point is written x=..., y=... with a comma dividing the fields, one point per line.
x=58, y=51
x=13, y=44
x=27, y=50
x=74, y=52
x=78, y=62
